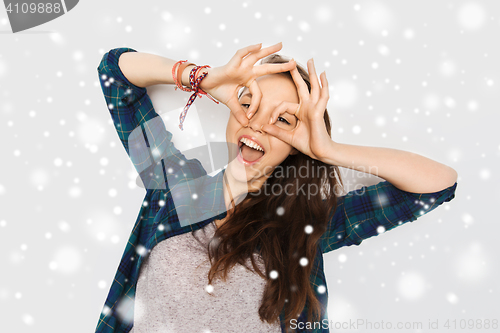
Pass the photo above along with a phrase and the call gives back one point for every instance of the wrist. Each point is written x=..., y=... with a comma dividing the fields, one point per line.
x=332, y=154
x=203, y=82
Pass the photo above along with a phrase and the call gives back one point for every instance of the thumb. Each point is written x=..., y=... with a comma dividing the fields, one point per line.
x=278, y=132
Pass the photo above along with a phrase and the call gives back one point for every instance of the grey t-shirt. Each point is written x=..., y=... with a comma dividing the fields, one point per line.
x=172, y=293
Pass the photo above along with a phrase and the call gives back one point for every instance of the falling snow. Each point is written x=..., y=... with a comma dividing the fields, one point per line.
x=421, y=78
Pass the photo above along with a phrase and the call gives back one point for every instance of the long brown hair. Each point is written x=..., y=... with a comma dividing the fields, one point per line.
x=274, y=225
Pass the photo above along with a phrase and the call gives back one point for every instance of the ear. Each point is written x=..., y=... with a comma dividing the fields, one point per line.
x=294, y=151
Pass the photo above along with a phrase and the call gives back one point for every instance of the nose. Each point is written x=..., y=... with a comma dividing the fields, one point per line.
x=259, y=118
x=256, y=126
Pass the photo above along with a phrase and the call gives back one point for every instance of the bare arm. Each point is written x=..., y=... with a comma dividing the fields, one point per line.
x=407, y=171
x=145, y=69
x=222, y=83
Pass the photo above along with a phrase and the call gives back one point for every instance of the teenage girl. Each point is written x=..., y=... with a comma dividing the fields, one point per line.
x=242, y=251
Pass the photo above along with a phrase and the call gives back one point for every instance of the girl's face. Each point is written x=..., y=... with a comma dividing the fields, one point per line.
x=255, y=165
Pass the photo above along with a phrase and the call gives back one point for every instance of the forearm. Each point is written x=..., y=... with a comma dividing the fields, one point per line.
x=145, y=69
x=406, y=170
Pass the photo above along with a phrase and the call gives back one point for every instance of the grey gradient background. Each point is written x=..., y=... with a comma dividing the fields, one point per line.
x=421, y=76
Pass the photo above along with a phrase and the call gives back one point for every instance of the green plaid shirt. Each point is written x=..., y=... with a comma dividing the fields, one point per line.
x=360, y=214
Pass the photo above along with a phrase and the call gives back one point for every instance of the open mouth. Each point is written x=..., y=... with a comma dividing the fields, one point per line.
x=250, y=151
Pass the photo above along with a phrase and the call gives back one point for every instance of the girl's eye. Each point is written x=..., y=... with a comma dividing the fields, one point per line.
x=247, y=105
x=284, y=120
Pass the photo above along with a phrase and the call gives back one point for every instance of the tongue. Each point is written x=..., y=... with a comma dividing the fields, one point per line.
x=250, y=154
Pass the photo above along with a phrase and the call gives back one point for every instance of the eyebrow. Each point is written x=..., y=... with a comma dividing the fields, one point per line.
x=247, y=93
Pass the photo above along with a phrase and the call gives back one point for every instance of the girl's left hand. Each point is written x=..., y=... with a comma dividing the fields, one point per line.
x=309, y=135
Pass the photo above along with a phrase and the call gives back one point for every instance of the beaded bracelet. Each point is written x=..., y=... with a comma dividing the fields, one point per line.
x=182, y=65
x=180, y=70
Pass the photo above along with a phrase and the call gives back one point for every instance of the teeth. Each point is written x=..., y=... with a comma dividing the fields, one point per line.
x=251, y=144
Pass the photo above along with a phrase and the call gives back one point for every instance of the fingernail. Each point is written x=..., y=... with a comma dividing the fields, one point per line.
x=249, y=115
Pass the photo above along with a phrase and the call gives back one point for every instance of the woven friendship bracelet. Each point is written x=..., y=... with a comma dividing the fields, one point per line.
x=193, y=74
x=197, y=92
x=194, y=81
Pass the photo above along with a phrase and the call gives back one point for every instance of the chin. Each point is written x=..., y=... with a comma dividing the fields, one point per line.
x=238, y=171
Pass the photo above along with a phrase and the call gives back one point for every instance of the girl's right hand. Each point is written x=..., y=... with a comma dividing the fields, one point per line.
x=223, y=83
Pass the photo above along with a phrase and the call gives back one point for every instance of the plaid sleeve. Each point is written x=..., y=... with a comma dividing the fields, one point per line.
x=372, y=210
x=141, y=130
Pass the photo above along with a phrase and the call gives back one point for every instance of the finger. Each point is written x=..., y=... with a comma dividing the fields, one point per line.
x=274, y=68
x=325, y=93
x=300, y=84
x=280, y=133
x=256, y=97
x=282, y=108
x=241, y=53
x=255, y=56
x=315, y=88
x=234, y=105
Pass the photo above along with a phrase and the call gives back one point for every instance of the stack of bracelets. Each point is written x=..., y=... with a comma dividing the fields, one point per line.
x=193, y=81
